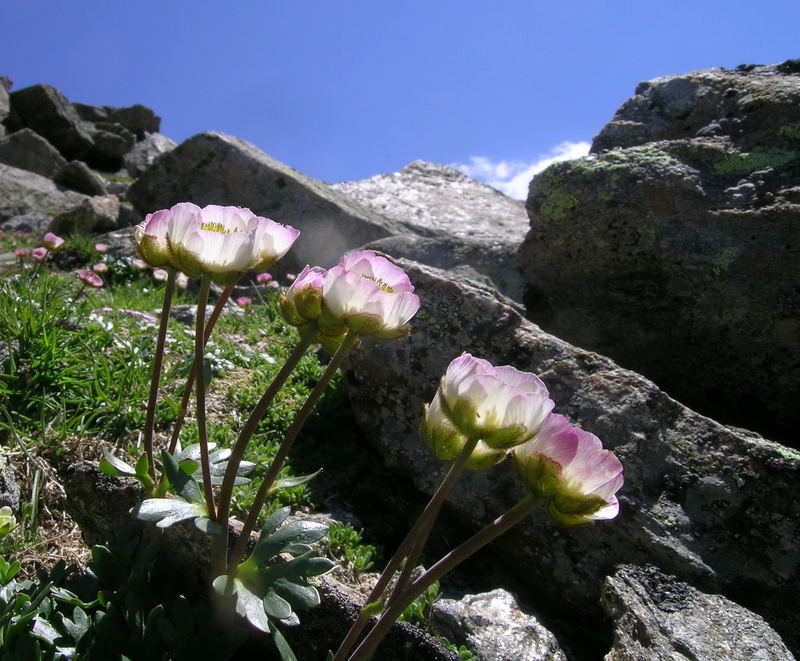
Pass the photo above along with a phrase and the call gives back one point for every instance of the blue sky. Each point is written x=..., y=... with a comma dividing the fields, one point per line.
x=348, y=89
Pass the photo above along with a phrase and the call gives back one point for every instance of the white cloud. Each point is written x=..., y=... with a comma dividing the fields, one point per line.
x=513, y=177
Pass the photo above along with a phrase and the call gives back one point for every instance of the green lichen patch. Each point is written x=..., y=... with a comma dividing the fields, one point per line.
x=744, y=162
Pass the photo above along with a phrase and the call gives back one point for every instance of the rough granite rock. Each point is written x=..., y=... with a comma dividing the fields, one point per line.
x=434, y=197
x=676, y=251
x=48, y=112
x=141, y=157
x=77, y=176
x=214, y=168
x=459, y=224
x=5, y=102
x=9, y=491
x=111, y=142
x=27, y=150
x=492, y=626
x=24, y=192
x=94, y=214
x=659, y=617
x=715, y=506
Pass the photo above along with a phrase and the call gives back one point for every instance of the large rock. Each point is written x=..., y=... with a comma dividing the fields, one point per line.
x=111, y=142
x=5, y=102
x=214, y=168
x=714, y=506
x=48, y=112
x=658, y=617
x=24, y=192
x=459, y=224
x=94, y=214
x=675, y=252
x=144, y=152
x=77, y=176
x=492, y=626
x=27, y=150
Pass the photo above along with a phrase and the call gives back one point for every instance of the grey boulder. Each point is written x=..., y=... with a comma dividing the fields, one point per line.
x=144, y=152
x=27, y=150
x=214, y=168
x=94, y=214
x=48, y=112
x=494, y=628
x=672, y=248
x=77, y=176
x=659, y=617
x=22, y=191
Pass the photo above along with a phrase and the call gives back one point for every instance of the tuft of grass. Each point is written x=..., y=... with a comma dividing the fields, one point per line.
x=345, y=543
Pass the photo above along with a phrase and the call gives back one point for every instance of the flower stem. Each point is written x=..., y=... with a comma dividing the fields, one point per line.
x=237, y=452
x=152, y=401
x=286, y=444
x=202, y=431
x=187, y=389
x=502, y=523
x=411, y=546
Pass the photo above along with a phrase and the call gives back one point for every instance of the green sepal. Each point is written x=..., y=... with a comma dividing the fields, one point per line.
x=503, y=438
x=289, y=311
x=573, y=509
x=540, y=474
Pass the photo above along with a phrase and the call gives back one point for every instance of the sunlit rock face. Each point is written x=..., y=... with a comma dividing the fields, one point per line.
x=673, y=247
x=702, y=501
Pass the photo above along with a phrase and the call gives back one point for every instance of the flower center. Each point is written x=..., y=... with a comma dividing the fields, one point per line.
x=383, y=285
x=217, y=227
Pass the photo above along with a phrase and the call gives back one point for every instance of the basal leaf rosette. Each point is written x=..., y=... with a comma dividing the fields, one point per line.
x=502, y=406
x=369, y=295
x=301, y=306
x=569, y=468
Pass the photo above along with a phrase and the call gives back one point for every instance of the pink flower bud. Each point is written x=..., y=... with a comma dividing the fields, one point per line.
x=263, y=277
x=100, y=268
x=101, y=247
x=52, y=242
x=39, y=254
x=243, y=301
x=90, y=278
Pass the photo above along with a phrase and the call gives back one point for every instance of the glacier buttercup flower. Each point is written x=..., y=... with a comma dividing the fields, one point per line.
x=52, y=242
x=502, y=406
x=370, y=295
x=569, y=467
x=151, y=234
x=301, y=306
x=90, y=278
x=39, y=254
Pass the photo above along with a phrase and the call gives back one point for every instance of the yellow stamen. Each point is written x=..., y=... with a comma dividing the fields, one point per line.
x=217, y=227
x=379, y=282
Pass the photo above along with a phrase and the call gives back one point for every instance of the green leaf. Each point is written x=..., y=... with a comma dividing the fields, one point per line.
x=190, y=466
x=110, y=465
x=208, y=526
x=142, y=466
x=184, y=485
x=289, y=482
x=282, y=644
x=166, y=511
x=302, y=567
x=274, y=520
x=298, y=595
x=297, y=532
x=276, y=606
x=248, y=605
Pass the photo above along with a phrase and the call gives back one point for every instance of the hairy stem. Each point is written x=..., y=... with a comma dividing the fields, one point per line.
x=158, y=360
x=502, y=523
x=187, y=389
x=410, y=548
x=286, y=444
x=249, y=428
x=202, y=430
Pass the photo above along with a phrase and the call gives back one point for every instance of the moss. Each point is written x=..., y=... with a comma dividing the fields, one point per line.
x=723, y=261
x=790, y=131
x=555, y=200
x=612, y=162
x=755, y=160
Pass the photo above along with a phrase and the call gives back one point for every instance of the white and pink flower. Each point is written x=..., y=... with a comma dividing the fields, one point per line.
x=370, y=296
x=569, y=468
x=90, y=278
x=52, y=242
